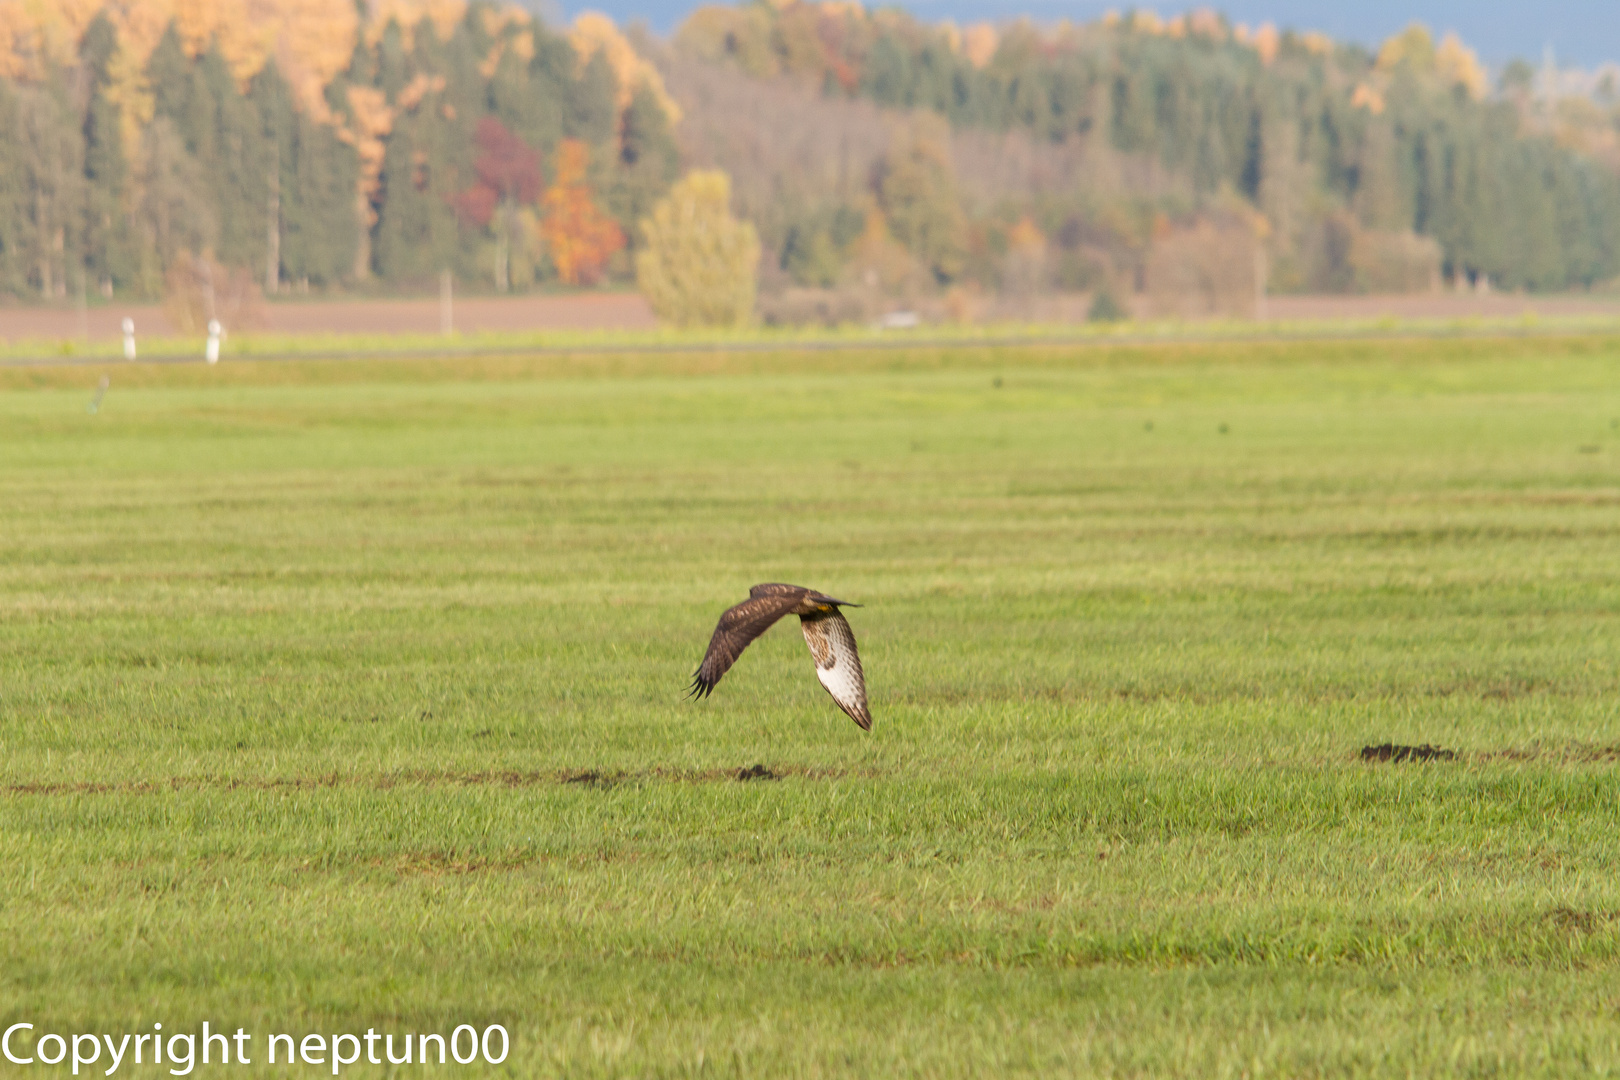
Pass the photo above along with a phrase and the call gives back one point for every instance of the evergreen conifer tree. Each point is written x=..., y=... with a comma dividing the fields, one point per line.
x=108, y=259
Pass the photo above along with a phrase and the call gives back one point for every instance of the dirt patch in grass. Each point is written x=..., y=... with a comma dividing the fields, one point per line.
x=1396, y=754
x=588, y=777
x=439, y=863
x=386, y=781
x=1585, y=922
x=1564, y=753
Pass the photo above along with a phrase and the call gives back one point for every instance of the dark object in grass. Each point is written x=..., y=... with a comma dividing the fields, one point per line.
x=996, y=382
x=756, y=772
x=1224, y=429
x=1589, y=448
x=585, y=778
x=1397, y=754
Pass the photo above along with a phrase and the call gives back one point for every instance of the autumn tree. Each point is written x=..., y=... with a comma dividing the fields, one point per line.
x=917, y=190
x=698, y=264
x=508, y=172
x=579, y=236
x=1024, y=268
x=530, y=96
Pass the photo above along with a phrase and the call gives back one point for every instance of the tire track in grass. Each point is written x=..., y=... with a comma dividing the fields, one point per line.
x=509, y=778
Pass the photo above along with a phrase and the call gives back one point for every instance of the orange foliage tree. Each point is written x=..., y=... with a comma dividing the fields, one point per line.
x=580, y=237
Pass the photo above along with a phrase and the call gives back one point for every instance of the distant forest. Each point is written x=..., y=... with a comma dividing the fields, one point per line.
x=1335, y=148
x=327, y=144
x=443, y=136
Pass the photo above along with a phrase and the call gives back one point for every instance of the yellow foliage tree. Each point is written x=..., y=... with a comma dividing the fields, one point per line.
x=312, y=40
x=1266, y=42
x=979, y=43
x=1413, y=47
x=699, y=264
x=444, y=14
x=1460, y=65
x=592, y=31
x=878, y=261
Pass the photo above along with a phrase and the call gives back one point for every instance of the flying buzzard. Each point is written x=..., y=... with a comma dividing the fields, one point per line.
x=831, y=641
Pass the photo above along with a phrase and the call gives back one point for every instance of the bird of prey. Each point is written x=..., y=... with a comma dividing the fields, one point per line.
x=831, y=641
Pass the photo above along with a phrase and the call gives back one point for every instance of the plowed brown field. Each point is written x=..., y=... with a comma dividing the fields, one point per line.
x=588, y=311
x=621, y=311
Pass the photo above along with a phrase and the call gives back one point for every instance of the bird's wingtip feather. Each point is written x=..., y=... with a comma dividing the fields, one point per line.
x=700, y=688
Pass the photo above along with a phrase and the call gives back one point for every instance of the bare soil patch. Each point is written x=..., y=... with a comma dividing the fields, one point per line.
x=439, y=863
x=1565, y=753
x=627, y=310
x=592, y=778
x=1437, y=305
x=1585, y=922
x=580, y=311
x=424, y=778
x=1396, y=754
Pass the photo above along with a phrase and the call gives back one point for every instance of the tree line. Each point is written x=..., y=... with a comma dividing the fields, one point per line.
x=1336, y=146
x=493, y=147
x=390, y=141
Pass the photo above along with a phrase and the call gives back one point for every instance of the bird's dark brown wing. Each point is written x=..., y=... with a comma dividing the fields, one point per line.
x=739, y=626
x=776, y=588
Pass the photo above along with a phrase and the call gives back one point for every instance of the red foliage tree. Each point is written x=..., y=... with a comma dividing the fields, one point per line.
x=508, y=172
x=506, y=164
x=476, y=205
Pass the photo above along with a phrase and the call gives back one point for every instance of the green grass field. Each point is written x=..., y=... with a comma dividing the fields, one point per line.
x=349, y=695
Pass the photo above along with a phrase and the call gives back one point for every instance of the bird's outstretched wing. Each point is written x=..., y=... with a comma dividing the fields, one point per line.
x=838, y=665
x=739, y=626
x=776, y=588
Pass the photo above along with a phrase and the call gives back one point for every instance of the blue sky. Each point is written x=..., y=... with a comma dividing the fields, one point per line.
x=1583, y=32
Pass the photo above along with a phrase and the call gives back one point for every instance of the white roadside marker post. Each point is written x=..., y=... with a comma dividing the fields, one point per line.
x=213, y=341
x=129, y=338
